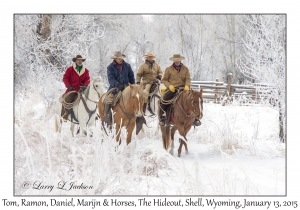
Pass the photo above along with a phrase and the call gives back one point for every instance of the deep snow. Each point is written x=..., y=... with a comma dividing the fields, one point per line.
x=236, y=151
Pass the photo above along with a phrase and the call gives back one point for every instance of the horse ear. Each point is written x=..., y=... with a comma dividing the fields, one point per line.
x=141, y=84
x=201, y=91
x=130, y=85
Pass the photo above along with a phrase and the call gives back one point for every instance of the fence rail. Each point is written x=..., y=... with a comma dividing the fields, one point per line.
x=216, y=90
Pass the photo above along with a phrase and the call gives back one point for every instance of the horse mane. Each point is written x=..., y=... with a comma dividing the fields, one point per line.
x=126, y=92
x=87, y=90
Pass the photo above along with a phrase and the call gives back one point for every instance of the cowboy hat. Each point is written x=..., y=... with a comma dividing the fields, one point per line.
x=177, y=57
x=118, y=54
x=149, y=54
x=78, y=57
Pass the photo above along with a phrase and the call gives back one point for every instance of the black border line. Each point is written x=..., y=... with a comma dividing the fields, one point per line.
x=183, y=196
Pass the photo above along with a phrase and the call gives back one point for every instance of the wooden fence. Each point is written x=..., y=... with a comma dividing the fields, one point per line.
x=216, y=91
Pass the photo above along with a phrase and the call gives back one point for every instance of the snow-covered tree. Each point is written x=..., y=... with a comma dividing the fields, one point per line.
x=45, y=46
x=264, y=59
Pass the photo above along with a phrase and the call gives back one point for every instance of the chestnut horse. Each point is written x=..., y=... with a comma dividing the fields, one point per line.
x=188, y=106
x=127, y=109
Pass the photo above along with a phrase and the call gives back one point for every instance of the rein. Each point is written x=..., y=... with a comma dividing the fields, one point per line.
x=90, y=113
x=184, y=112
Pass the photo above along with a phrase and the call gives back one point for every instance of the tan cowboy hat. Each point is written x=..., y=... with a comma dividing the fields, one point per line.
x=149, y=54
x=118, y=54
x=78, y=57
x=177, y=57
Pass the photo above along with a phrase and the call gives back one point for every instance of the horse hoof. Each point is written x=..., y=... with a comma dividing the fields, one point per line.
x=187, y=153
x=171, y=153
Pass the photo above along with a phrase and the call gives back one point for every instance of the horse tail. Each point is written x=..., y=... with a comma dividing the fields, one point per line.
x=55, y=124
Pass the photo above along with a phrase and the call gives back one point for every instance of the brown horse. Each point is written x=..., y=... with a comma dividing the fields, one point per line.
x=127, y=109
x=188, y=106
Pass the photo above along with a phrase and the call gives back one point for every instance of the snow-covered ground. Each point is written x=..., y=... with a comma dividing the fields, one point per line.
x=236, y=151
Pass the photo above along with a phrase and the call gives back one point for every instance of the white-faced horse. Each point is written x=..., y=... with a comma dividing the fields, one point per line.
x=86, y=110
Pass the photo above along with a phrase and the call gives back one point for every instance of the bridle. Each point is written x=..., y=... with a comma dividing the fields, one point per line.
x=90, y=112
x=96, y=102
x=192, y=114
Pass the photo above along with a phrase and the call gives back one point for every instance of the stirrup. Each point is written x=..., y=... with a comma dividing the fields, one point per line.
x=65, y=117
x=196, y=122
x=162, y=121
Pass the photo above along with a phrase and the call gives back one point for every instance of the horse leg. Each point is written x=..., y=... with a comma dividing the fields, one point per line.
x=57, y=123
x=129, y=132
x=180, y=147
x=185, y=146
x=90, y=124
x=173, y=130
x=60, y=125
x=72, y=129
x=82, y=128
x=164, y=137
x=183, y=140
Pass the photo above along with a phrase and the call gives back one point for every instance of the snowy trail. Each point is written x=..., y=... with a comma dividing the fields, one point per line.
x=236, y=151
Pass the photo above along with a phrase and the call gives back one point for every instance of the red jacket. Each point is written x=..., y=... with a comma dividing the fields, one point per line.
x=75, y=79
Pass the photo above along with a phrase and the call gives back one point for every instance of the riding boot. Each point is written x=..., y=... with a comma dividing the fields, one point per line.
x=163, y=117
x=107, y=114
x=144, y=107
x=196, y=122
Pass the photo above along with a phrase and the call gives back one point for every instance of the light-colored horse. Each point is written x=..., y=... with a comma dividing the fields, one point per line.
x=154, y=101
x=154, y=107
x=126, y=110
x=91, y=96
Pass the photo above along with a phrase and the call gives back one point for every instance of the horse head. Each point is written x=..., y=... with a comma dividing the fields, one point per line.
x=98, y=85
x=198, y=103
x=136, y=97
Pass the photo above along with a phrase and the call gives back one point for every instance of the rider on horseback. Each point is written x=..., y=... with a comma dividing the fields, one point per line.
x=119, y=74
x=177, y=75
x=149, y=71
x=77, y=78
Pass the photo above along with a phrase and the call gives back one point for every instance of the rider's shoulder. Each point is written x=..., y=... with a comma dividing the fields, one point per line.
x=110, y=65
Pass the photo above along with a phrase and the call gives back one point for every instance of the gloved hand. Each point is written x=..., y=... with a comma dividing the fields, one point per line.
x=121, y=87
x=70, y=88
x=158, y=77
x=172, y=88
x=186, y=88
x=162, y=90
x=82, y=88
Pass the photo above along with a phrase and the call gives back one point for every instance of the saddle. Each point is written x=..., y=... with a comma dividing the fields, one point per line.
x=111, y=98
x=171, y=103
x=70, y=99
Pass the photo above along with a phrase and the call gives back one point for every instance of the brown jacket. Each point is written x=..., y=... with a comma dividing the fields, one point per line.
x=148, y=74
x=172, y=77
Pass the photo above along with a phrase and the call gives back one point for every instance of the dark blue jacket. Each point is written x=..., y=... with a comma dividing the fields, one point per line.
x=116, y=77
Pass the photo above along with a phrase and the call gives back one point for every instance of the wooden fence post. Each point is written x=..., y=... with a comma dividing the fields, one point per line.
x=229, y=81
x=217, y=90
